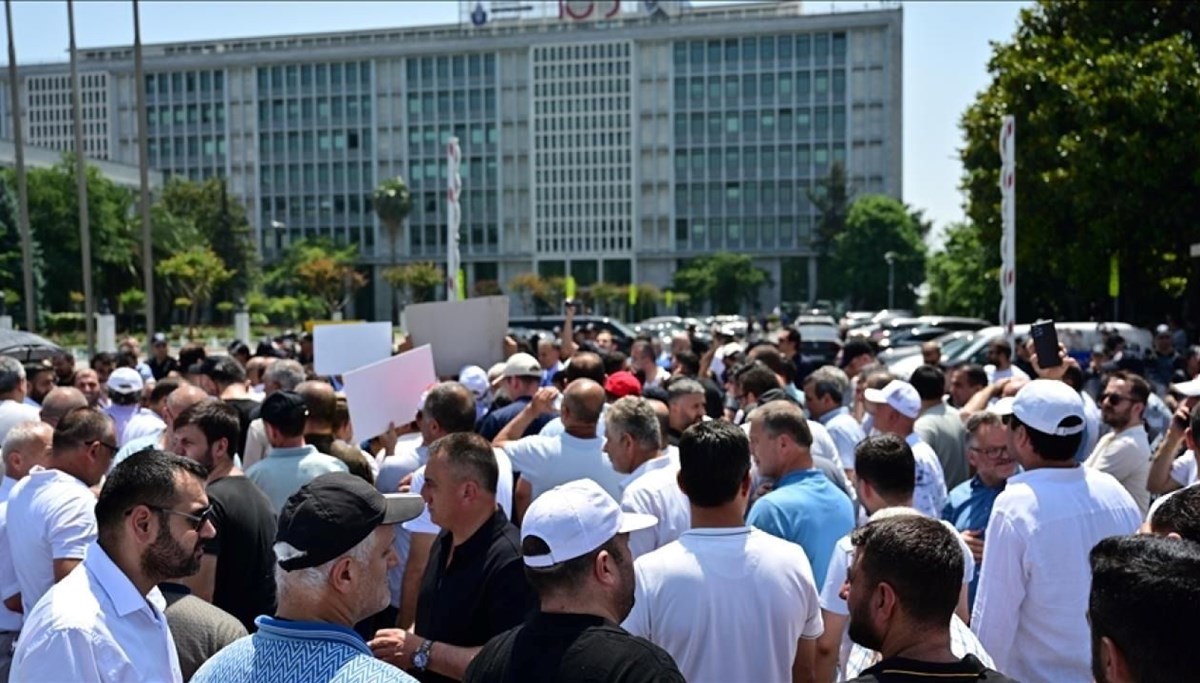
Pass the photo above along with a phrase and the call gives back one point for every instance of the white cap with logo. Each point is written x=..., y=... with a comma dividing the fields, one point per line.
x=898, y=394
x=125, y=381
x=1050, y=407
x=574, y=519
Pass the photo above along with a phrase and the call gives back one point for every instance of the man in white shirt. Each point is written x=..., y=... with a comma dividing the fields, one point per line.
x=999, y=358
x=105, y=622
x=50, y=519
x=895, y=408
x=634, y=449
x=124, y=388
x=824, y=392
x=646, y=361
x=1030, y=608
x=13, y=387
x=1125, y=451
x=292, y=462
x=547, y=461
x=27, y=444
x=728, y=602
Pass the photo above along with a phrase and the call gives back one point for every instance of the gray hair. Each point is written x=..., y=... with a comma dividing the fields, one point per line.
x=829, y=381
x=12, y=372
x=985, y=417
x=22, y=435
x=634, y=416
x=311, y=581
x=683, y=387
x=287, y=373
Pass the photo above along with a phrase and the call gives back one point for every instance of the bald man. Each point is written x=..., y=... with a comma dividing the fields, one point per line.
x=578, y=453
x=59, y=402
x=321, y=401
x=178, y=401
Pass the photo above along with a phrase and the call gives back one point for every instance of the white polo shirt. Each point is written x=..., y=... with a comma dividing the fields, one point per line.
x=727, y=604
x=548, y=461
x=929, y=496
x=1031, y=604
x=504, y=494
x=653, y=489
x=95, y=625
x=10, y=621
x=1126, y=456
x=51, y=516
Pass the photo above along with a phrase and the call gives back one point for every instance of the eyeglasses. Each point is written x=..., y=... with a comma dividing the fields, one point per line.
x=104, y=443
x=991, y=453
x=196, y=520
x=1114, y=398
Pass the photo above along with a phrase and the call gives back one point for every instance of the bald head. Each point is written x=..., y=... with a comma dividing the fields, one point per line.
x=582, y=402
x=59, y=402
x=321, y=401
x=181, y=399
x=664, y=419
x=586, y=365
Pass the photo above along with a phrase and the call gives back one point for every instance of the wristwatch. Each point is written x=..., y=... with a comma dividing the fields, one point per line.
x=421, y=658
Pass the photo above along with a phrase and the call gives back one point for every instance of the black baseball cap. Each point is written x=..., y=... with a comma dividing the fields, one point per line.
x=335, y=512
x=283, y=407
x=855, y=348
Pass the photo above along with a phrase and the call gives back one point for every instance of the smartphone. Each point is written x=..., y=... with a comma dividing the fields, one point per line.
x=1045, y=343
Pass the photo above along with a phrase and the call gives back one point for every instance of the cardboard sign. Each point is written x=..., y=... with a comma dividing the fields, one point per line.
x=338, y=349
x=462, y=333
x=388, y=391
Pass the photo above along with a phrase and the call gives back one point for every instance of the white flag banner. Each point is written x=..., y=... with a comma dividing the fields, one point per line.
x=1008, y=221
x=454, y=217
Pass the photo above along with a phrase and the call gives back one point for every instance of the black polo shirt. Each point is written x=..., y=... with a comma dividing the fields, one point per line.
x=900, y=670
x=482, y=593
x=571, y=648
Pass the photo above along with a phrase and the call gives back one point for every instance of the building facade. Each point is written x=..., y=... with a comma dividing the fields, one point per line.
x=610, y=148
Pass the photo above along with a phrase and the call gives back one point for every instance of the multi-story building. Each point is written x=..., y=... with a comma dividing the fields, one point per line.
x=611, y=147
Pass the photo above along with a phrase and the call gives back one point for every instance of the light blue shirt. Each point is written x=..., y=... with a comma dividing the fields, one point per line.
x=285, y=470
x=285, y=651
x=846, y=433
x=808, y=510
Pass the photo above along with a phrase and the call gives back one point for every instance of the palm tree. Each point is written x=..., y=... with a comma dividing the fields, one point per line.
x=392, y=202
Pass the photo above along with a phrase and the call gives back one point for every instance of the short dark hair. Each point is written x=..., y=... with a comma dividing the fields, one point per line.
x=770, y=356
x=144, y=478
x=1144, y=597
x=164, y=388
x=714, y=459
x=215, y=419
x=975, y=374
x=127, y=359
x=452, y=406
x=104, y=357
x=1052, y=446
x=191, y=354
x=80, y=427
x=689, y=361
x=564, y=577
x=614, y=361
x=929, y=381
x=919, y=558
x=792, y=335
x=586, y=365
x=470, y=455
x=1179, y=513
x=1139, y=388
x=756, y=378
x=855, y=348
x=1002, y=346
x=886, y=462
x=225, y=370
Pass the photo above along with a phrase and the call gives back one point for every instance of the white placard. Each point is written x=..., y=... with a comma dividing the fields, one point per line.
x=462, y=333
x=388, y=391
x=338, y=349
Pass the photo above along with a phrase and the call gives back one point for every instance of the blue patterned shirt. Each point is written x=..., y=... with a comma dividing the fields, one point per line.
x=298, y=652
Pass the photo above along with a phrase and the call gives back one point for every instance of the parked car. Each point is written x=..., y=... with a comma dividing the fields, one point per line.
x=622, y=335
x=819, y=343
x=914, y=331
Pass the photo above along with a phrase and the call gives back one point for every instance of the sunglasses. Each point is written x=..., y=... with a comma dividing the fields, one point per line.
x=1114, y=398
x=196, y=520
x=106, y=444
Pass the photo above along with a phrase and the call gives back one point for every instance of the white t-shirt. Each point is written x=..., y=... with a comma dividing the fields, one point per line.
x=653, y=489
x=504, y=495
x=1183, y=470
x=727, y=604
x=143, y=423
x=929, y=496
x=995, y=375
x=51, y=516
x=1126, y=456
x=548, y=461
x=10, y=621
x=13, y=413
x=1031, y=602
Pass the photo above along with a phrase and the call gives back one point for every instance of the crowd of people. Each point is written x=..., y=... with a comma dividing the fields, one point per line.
x=674, y=510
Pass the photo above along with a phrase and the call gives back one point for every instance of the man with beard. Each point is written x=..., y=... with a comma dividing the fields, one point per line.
x=334, y=547
x=902, y=591
x=685, y=406
x=237, y=571
x=40, y=377
x=105, y=621
x=1125, y=451
x=575, y=544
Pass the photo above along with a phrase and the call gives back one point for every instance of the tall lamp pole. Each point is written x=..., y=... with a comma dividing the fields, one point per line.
x=890, y=257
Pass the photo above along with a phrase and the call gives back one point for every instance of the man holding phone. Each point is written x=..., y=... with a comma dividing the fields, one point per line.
x=1125, y=451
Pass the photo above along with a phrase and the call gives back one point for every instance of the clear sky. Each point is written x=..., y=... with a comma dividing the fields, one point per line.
x=946, y=48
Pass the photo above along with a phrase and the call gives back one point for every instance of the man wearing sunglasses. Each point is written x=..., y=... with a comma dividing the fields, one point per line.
x=105, y=621
x=1125, y=451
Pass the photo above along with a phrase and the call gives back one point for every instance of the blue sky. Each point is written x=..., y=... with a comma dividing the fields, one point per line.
x=946, y=48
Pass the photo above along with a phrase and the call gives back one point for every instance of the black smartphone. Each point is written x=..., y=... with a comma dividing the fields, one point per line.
x=1045, y=343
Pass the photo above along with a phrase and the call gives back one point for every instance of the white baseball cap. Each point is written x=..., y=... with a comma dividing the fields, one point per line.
x=1003, y=406
x=1189, y=388
x=898, y=394
x=574, y=519
x=474, y=378
x=522, y=365
x=1050, y=407
x=125, y=381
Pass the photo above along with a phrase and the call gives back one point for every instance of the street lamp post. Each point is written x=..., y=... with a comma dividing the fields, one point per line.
x=890, y=257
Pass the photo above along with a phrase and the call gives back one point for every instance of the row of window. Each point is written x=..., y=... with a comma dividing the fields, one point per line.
x=585, y=51
x=284, y=177
x=182, y=114
x=38, y=132
x=275, y=241
x=191, y=146
x=566, y=74
x=577, y=140
x=748, y=197
x=460, y=104
x=557, y=173
x=749, y=233
x=586, y=158
x=581, y=105
x=581, y=122
x=185, y=82
x=615, y=209
x=473, y=170
x=586, y=244
x=308, y=76
x=421, y=71
x=64, y=101
x=315, y=110
x=583, y=193
x=757, y=159
x=310, y=141
x=41, y=84
x=431, y=137
x=802, y=122
x=587, y=272
x=65, y=115
x=803, y=49
x=716, y=90
x=472, y=239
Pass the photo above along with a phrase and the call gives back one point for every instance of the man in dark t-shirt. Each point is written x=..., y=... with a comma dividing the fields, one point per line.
x=575, y=547
x=229, y=384
x=237, y=570
x=161, y=362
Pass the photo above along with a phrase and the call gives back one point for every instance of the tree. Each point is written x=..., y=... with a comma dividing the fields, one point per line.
x=527, y=287
x=831, y=197
x=195, y=273
x=486, y=288
x=961, y=279
x=1105, y=96
x=393, y=202
x=189, y=211
x=876, y=225
x=327, y=273
x=730, y=282
x=420, y=279
x=604, y=296
x=11, y=264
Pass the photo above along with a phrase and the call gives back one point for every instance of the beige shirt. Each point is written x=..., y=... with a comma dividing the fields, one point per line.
x=1126, y=456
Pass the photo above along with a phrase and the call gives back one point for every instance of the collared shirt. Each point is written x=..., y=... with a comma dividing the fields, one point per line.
x=284, y=651
x=929, y=496
x=137, y=446
x=10, y=621
x=555, y=426
x=1030, y=610
x=95, y=625
x=968, y=508
x=548, y=461
x=480, y=594
x=845, y=431
x=285, y=470
x=901, y=670
x=806, y=509
x=962, y=643
x=653, y=489
x=1126, y=456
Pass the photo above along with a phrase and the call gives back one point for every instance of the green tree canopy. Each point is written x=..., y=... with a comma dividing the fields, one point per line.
x=876, y=225
x=188, y=212
x=1105, y=97
x=195, y=274
x=728, y=281
x=961, y=281
x=420, y=279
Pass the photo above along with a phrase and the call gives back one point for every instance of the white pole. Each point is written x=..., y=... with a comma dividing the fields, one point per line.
x=454, y=217
x=1008, y=218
